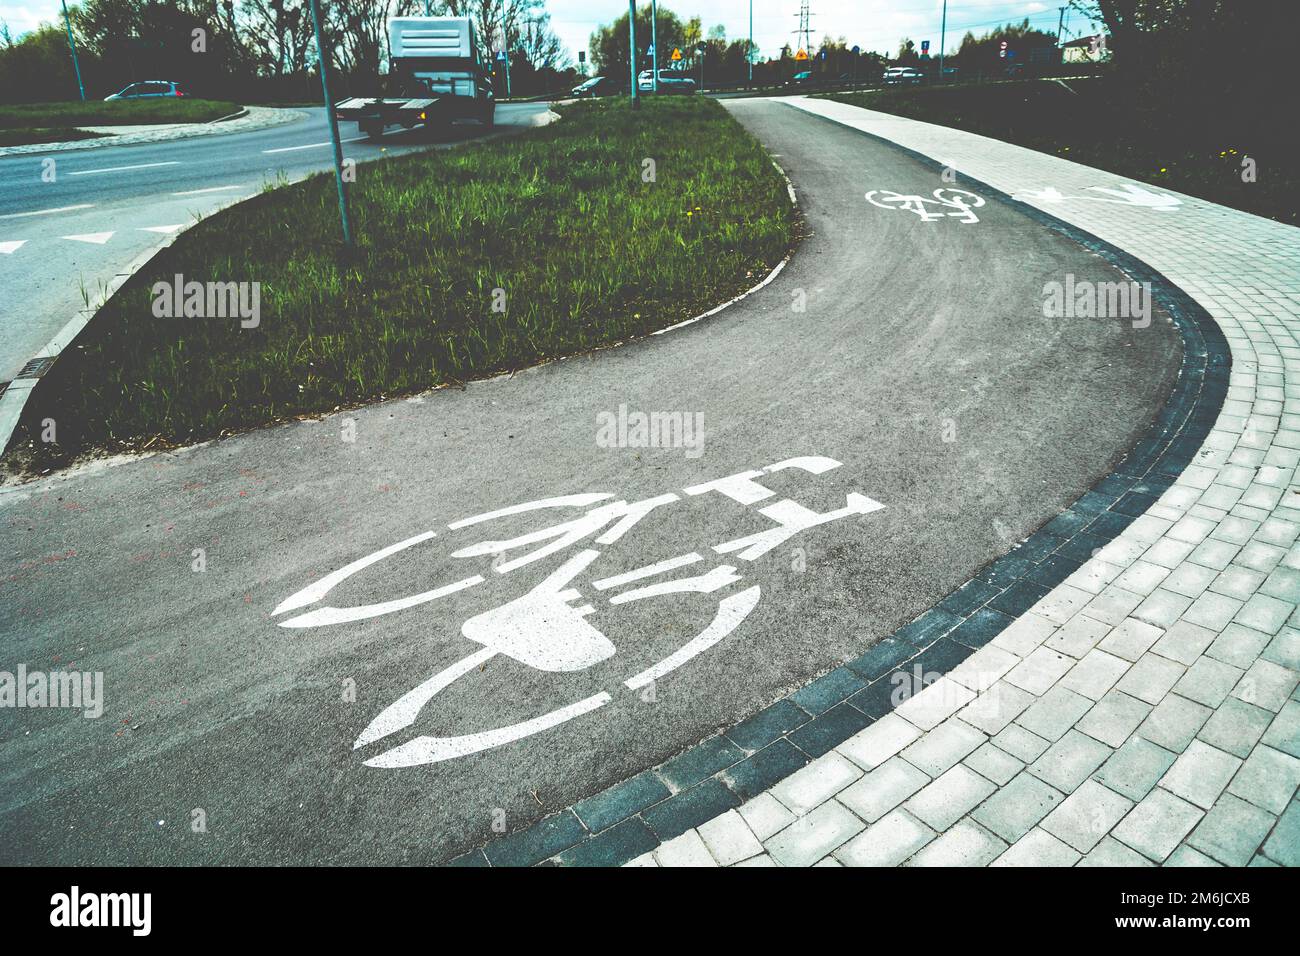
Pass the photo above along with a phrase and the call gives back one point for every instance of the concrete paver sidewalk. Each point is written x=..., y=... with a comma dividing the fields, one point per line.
x=1145, y=711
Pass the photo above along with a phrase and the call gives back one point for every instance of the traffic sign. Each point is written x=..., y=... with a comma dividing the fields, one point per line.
x=857, y=50
x=677, y=54
x=925, y=46
x=801, y=55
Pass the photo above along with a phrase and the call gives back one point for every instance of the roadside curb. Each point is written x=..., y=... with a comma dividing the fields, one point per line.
x=635, y=816
x=274, y=116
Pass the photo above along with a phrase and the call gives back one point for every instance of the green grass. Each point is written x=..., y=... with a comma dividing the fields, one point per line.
x=587, y=252
x=1191, y=147
x=113, y=113
x=58, y=134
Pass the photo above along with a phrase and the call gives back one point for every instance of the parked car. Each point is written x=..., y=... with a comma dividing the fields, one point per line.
x=670, y=81
x=596, y=86
x=902, y=75
x=807, y=80
x=148, y=89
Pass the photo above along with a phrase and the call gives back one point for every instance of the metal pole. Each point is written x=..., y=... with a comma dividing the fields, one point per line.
x=631, y=41
x=1060, y=24
x=943, y=33
x=72, y=45
x=749, y=50
x=322, y=62
x=654, y=45
x=505, y=44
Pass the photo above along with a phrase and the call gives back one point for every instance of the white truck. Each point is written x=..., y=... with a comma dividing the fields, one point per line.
x=437, y=68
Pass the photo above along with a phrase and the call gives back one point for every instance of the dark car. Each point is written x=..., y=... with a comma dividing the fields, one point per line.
x=805, y=80
x=148, y=89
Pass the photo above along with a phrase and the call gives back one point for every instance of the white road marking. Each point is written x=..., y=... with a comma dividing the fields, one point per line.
x=165, y=230
x=122, y=169
x=42, y=212
x=8, y=247
x=403, y=713
x=731, y=611
x=98, y=238
x=314, y=592
x=199, y=192
x=290, y=149
x=650, y=570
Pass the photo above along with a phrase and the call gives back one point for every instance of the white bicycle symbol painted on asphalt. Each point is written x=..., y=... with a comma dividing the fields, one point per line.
x=547, y=627
x=956, y=203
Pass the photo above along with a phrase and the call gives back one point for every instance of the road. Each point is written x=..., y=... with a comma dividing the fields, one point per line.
x=913, y=353
x=67, y=228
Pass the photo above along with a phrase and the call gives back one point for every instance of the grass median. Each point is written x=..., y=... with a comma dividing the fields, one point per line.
x=604, y=226
x=142, y=112
x=1102, y=122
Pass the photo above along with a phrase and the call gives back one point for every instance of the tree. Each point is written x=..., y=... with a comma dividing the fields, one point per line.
x=609, y=44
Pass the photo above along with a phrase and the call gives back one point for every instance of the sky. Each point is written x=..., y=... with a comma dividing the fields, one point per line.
x=872, y=24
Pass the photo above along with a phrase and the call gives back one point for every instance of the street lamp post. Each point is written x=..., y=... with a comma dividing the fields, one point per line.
x=322, y=61
x=943, y=29
x=631, y=42
x=505, y=44
x=749, y=50
x=72, y=45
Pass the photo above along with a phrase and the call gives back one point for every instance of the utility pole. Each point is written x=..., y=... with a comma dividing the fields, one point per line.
x=323, y=63
x=654, y=46
x=943, y=31
x=72, y=45
x=1060, y=25
x=631, y=42
x=805, y=28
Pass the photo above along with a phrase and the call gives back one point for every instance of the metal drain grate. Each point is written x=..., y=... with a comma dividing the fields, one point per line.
x=36, y=367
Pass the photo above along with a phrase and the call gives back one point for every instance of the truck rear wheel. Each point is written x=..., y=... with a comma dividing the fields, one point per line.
x=489, y=115
x=373, y=131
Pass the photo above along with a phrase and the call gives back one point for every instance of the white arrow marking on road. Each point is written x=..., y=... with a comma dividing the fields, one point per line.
x=8, y=247
x=199, y=192
x=1137, y=196
x=165, y=230
x=42, y=212
x=98, y=238
x=121, y=169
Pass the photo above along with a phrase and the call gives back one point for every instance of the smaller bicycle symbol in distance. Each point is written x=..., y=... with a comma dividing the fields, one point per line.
x=957, y=203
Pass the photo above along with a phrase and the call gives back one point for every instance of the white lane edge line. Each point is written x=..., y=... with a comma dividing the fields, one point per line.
x=122, y=169
x=12, y=246
x=290, y=149
x=42, y=212
x=98, y=238
x=210, y=189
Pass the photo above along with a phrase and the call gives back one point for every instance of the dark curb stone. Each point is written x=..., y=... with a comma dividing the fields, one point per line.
x=823, y=734
x=700, y=762
x=621, y=801
x=543, y=839
x=767, y=725
x=614, y=846
x=690, y=808
x=757, y=773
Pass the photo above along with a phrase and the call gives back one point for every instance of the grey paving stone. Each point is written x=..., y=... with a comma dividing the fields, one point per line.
x=1264, y=613
x=1020, y=743
x=1184, y=642
x=1070, y=761
x=1212, y=610
x=1266, y=685
x=994, y=763
x=1130, y=639
x=1267, y=779
x=935, y=703
x=996, y=707
x=1055, y=712
x=1200, y=774
x=765, y=815
x=1114, y=718
x=1283, y=844
x=1284, y=649
x=1237, y=582
x=883, y=789
x=687, y=850
x=1111, y=853
x=1186, y=856
x=946, y=800
x=816, y=783
x=1086, y=816
x=1174, y=722
x=887, y=842
x=760, y=861
x=1095, y=674
x=1158, y=824
x=1151, y=678
x=966, y=844
x=1078, y=636
x=1232, y=831
x=1208, y=682
x=729, y=839
x=1017, y=806
x=1113, y=604
x=1037, y=848
x=873, y=746
x=1162, y=608
x=943, y=747
x=1235, y=727
x=1214, y=554
x=1039, y=671
x=1135, y=767
x=1284, y=732
x=1237, y=645
x=812, y=837
x=1283, y=583
x=1190, y=579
